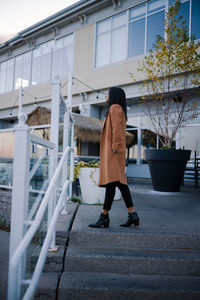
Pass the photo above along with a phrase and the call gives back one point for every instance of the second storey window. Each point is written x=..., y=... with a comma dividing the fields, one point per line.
x=132, y=33
x=6, y=76
x=22, y=70
x=38, y=65
x=145, y=23
x=111, y=40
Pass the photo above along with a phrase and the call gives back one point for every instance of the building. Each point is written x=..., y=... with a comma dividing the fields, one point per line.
x=101, y=42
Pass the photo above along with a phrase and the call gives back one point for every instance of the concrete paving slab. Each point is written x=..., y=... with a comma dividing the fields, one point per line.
x=158, y=212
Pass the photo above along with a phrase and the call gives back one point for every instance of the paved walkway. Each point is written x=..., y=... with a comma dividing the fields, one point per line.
x=158, y=212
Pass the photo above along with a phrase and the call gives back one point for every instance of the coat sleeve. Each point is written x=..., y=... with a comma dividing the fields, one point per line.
x=118, y=134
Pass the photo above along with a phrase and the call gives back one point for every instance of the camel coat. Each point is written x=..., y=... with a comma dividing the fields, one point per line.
x=113, y=137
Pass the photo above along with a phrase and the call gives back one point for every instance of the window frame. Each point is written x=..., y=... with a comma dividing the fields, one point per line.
x=133, y=58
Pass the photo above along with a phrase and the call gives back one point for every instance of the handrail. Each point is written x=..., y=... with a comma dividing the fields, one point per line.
x=34, y=226
x=41, y=260
x=38, y=140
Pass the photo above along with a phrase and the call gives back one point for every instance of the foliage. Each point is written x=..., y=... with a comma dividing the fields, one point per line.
x=4, y=179
x=83, y=164
x=74, y=199
x=3, y=225
x=172, y=70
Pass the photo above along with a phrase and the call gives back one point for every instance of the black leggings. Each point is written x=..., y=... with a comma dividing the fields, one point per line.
x=110, y=194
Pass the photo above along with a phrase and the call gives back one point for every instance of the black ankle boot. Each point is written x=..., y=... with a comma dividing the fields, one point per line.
x=102, y=222
x=132, y=219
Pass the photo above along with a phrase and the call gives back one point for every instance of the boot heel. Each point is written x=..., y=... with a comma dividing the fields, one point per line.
x=106, y=225
x=136, y=223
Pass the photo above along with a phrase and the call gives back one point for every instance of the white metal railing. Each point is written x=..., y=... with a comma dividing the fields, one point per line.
x=15, y=260
x=25, y=220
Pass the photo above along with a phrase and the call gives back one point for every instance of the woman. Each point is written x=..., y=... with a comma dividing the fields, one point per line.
x=113, y=158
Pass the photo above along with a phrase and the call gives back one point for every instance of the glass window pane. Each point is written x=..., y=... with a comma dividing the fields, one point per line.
x=136, y=37
x=184, y=11
x=10, y=75
x=68, y=40
x=196, y=18
x=45, y=63
x=36, y=65
x=26, y=69
x=119, y=20
x=104, y=26
x=18, y=71
x=154, y=27
x=138, y=12
x=103, y=49
x=155, y=5
x=67, y=64
x=3, y=77
x=57, y=58
x=118, y=51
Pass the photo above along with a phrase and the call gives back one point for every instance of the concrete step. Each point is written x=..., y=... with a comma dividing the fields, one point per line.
x=64, y=223
x=133, y=261
x=111, y=286
x=47, y=286
x=54, y=260
x=131, y=239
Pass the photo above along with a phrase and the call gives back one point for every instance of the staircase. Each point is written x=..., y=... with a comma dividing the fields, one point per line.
x=119, y=264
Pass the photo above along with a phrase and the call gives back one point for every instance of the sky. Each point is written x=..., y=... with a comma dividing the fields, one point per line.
x=17, y=15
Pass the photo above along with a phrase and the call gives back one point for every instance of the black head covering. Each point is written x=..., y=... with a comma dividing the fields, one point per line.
x=117, y=96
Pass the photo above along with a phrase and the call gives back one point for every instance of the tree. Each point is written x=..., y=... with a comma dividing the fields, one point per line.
x=172, y=70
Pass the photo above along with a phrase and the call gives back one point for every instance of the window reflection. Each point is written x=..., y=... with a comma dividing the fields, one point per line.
x=154, y=27
x=196, y=19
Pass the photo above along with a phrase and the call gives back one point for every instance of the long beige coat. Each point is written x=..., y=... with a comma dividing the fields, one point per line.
x=113, y=137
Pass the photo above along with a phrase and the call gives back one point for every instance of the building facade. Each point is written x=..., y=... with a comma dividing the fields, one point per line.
x=101, y=43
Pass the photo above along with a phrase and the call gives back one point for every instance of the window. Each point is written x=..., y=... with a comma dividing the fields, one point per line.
x=22, y=70
x=137, y=30
x=36, y=66
x=46, y=61
x=9, y=75
x=3, y=77
x=67, y=64
x=111, y=40
x=155, y=18
x=39, y=65
x=195, y=19
x=6, y=76
x=145, y=23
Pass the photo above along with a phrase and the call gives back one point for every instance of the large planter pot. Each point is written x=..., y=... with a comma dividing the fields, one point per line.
x=167, y=168
x=90, y=191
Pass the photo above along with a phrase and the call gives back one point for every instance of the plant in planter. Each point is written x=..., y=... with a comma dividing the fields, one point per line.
x=172, y=71
x=88, y=174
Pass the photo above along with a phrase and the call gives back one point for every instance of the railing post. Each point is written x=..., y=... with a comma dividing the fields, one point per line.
x=139, y=138
x=66, y=127
x=55, y=108
x=70, y=90
x=195, y=169
x=19, y=201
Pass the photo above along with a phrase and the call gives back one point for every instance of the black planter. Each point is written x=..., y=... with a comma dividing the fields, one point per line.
x=167, y=168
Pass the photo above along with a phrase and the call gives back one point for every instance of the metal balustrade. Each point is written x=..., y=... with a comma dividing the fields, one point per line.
x=37, y=205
